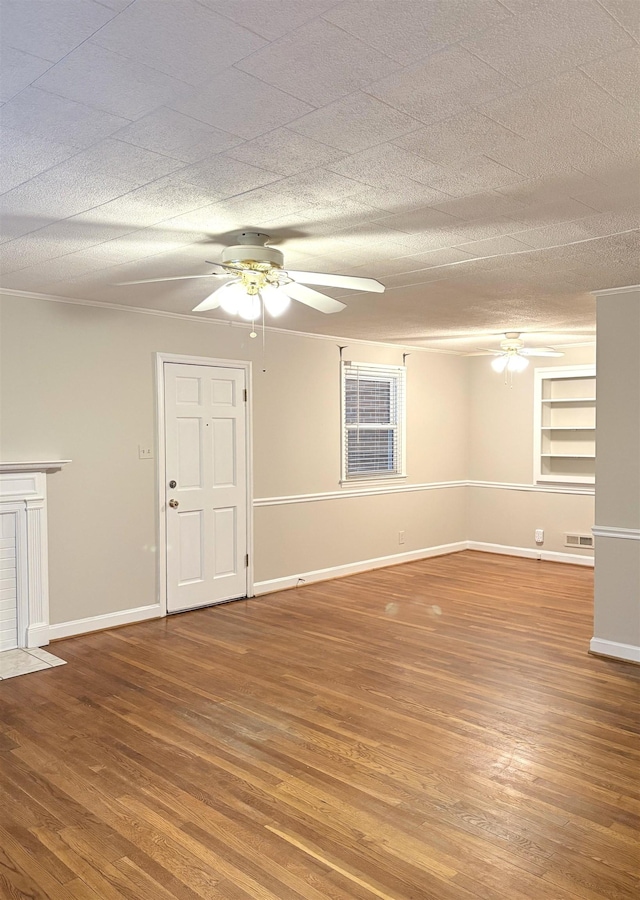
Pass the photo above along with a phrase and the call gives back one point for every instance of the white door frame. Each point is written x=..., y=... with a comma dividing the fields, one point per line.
x=161, y=530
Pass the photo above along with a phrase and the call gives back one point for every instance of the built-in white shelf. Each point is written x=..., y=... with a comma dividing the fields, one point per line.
x=568, y=455
x=568, y=400
x=565, y=424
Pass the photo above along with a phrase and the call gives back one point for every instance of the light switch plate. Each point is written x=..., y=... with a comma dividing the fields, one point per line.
x=145, y=452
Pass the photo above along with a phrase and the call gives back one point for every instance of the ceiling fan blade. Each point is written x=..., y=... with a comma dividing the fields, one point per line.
x=350, y=282
x=174, y=278
x=540, y=351
x=212, y=301
x=312, y=298
x=487, y=350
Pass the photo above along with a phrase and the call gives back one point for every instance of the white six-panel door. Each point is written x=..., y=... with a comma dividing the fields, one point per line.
x=206, y=510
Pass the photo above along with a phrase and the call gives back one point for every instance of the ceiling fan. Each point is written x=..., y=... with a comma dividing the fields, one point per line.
x=513, y=356
x=258, y=277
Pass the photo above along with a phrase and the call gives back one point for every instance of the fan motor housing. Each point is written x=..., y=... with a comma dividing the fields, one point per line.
x=512, y=342
x=252, y=253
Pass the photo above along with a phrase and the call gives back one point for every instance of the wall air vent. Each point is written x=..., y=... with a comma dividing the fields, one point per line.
x=579, y=540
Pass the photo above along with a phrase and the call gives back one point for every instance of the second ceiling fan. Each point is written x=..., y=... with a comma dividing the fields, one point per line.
x=258, y=277
x=513, y=356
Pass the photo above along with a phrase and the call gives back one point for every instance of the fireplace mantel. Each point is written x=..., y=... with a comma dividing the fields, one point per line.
x=50, y=465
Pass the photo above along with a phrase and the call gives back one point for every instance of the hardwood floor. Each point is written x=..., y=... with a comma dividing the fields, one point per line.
x=433, y=731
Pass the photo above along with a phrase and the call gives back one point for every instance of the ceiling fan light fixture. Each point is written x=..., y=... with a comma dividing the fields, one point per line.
x=275, y=300
x=499, y=363
x=231, y=295
x=517, y=363
x=258, y=269
x=249, y=306
x=513, y=356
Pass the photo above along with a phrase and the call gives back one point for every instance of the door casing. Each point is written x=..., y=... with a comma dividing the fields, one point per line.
x=161, y=525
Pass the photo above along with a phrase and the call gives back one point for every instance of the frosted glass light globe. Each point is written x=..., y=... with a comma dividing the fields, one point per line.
x=275, y=300
x=249, y=306
x=499, y=363
x=230, y=297
x=517, y=363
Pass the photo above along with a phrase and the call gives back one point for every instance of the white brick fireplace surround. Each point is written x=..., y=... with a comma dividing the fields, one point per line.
x=24, y=591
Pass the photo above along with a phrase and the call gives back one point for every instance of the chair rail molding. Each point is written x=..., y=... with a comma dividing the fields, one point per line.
x=613, y=531
x=23, y=494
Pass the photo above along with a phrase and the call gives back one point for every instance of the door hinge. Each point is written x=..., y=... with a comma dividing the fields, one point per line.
x=246, y=561
x=246, y=395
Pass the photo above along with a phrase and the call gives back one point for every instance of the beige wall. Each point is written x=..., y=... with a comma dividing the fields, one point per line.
x=297, y=413
x=349, y=530
x=618, y=459
x=510, y=518
x=501, y=450
x=617, y=584
x=79, y=383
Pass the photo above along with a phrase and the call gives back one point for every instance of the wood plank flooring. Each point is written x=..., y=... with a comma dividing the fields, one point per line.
x=433, y=731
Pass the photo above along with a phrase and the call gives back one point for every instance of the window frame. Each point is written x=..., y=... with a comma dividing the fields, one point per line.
x=396, y=375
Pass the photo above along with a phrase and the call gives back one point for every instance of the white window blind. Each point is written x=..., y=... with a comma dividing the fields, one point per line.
x=373, y=420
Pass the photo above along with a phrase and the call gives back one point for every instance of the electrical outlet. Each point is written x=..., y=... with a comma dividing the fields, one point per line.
x=401, y=537
x=145, y=452
x=539, y=536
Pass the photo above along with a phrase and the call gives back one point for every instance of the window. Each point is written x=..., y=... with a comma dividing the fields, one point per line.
x=373, y=414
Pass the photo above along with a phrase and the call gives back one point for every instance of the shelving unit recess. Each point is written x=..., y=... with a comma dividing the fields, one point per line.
x=565, y=424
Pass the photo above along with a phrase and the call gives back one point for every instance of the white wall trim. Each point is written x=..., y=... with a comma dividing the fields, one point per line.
x=366, y=565
x=358, y=492
x=529, y=553
x=613, y=531
x=154, y=611
x=613, y=649
x=408, y=488
x=37, y=636
x=621, y=290
x=537, y=488
x=106, y=620
x=289, y=581
x=206, y=320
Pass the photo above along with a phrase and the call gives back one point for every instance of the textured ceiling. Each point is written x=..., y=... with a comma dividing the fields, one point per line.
x=477, y=156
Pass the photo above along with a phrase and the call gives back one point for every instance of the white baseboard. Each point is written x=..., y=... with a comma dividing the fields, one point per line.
x=37, y=636
x=108, y=620
x=40, y=636
x=289, y=581
x=628, y=652
x=547, y=555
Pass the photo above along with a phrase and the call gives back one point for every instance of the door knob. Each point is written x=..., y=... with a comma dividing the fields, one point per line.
x=174, y=504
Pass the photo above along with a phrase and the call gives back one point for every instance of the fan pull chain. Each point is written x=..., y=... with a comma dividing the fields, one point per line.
x=264, y=342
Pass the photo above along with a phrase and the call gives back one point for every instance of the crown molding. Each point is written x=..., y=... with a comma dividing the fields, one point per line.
x=99, y=304
x=610, y=292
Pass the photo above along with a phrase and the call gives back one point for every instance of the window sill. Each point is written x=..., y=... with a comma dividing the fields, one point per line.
x=375, y=480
